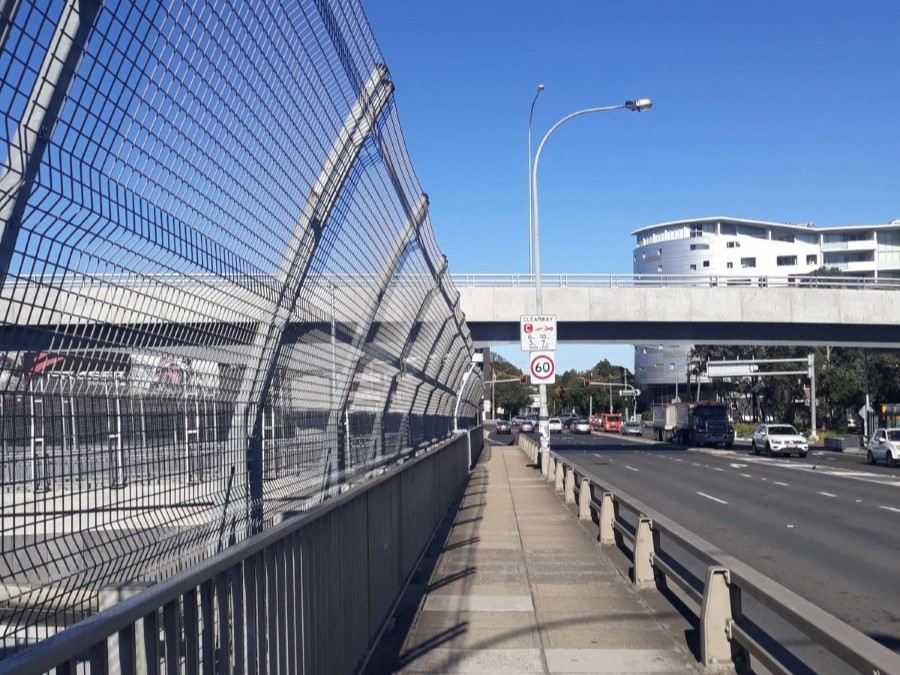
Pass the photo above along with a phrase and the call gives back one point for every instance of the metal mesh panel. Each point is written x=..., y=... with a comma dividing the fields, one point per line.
x=222, y=297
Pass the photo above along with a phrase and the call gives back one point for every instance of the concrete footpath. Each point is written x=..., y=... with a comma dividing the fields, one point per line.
x=521, y=587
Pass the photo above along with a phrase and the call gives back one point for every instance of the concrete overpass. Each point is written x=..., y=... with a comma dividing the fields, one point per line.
x=666, y=309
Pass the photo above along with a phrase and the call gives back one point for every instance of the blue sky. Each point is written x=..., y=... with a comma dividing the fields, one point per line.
x=784, y=111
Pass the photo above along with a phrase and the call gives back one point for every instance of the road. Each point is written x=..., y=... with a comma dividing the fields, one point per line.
x=827, y=527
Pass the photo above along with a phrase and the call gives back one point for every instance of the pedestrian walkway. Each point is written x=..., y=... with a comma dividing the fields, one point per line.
x=522, y=587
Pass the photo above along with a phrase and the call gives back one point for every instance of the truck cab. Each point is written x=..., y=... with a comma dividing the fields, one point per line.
x=710, y=425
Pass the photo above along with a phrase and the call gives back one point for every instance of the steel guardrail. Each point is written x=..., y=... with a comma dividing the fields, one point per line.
x=719, y=608
x=673, y=281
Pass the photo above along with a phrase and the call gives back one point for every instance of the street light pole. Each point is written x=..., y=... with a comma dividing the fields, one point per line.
x=639, y=105
x=540, y=88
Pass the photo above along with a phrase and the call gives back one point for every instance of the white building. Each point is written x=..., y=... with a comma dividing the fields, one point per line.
x=736, y=247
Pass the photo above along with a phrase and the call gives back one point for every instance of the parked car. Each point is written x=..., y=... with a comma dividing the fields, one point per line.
x=556, y=425
x=527, y=426
x=503, y=427
x=884, y=447
x=581, y=426
x=631, y=429
x=779, y=439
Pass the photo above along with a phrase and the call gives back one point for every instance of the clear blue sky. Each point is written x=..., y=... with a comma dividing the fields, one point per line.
x=785, y=111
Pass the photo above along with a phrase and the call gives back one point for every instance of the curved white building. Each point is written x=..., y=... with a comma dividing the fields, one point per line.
x=732, y=247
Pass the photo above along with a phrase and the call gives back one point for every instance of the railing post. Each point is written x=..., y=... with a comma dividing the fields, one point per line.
x=560, y=470
x=608, y=514
x=584, y=500
x=551, y=467
x=644, y=550
x=721, y=607
x=570, y=485
x=545, y=463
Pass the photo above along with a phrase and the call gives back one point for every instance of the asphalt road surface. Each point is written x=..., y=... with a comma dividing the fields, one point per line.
x=827, y=527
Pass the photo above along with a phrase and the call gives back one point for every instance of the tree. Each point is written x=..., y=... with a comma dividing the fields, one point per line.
x=511, y=396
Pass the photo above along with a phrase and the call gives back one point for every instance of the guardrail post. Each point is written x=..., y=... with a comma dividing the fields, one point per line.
x=721, y=606
x=584, y=500
x=551, y=467
x=545, y=462
x=608, y=512
x=570, y=485
x=560, y=473
x=644, y=549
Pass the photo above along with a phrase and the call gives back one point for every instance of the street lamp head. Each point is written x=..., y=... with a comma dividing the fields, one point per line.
x=639, y=105
x=540, y=87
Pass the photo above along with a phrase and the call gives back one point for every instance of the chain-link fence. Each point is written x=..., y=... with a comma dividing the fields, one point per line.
x=221, y=295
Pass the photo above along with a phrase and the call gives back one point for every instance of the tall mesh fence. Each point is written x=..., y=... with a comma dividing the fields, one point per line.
x=221, y=295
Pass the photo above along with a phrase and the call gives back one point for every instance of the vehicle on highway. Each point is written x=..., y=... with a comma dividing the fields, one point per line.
x=503, y=427
x=581, y=426
x=779, y=439
x=704, y=423
x=556, y=425
x=631, y=429
x=568, y=421
x=610, y=423
x=884, y=447
x=516, y=421
x=527, y=426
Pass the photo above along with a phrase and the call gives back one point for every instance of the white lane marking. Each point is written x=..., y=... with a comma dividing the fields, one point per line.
x=746, y=475
x=695, y=463
x=598, y=456
x=631, y=468
x=715, y=499
x=738, y=466
x=827, y=494
x=858, y=501
x=764, y=479
x=790, y=527
x=889, y=508
x=678, y=460
x=778, y=482
x=718, y=469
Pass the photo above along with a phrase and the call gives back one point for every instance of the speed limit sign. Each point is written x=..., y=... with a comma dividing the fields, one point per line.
x=543, y=367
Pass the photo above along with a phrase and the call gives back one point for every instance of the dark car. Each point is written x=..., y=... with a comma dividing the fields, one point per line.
x=503, y=427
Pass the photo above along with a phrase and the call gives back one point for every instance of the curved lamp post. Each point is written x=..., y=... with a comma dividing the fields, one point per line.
x=540, y=88
x=638, y=105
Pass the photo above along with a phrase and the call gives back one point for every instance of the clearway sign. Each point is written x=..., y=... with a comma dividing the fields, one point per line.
x=538, y=333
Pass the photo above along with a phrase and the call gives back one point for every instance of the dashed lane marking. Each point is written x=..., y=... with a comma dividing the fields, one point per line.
x=889, y=508
x=827, y=494
x=630, y=468
x=715, y=499
x=778, y=482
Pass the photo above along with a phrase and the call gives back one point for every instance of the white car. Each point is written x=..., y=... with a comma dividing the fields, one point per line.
x=631, y=429
x=527, y=426
x=556, y=425
x=582, y=426
x=884, y=446
x=779, y=439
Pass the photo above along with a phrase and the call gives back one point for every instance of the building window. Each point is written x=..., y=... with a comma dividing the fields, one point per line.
x=787, y=260
x=782, y=236
x=697, y=230
x=730, y=265
x=812, y=259
x=729, y=228
x=699, y=247
x=659, y=269
x=706, y=263
x=752, y=231
x=748, y=262
x=733, y=244
x=643, y=255
x=693, y=268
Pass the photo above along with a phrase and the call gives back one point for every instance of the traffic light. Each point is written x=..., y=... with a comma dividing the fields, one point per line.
x=523, y=378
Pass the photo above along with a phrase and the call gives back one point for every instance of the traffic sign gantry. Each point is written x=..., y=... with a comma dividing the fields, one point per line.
x=542, y=367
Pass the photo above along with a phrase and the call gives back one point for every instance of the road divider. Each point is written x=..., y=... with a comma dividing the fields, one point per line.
x=726, y=634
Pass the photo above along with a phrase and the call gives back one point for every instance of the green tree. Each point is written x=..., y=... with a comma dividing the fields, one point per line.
x=513, y=397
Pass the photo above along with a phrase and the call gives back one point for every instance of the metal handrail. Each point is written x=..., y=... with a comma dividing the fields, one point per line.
x=836, y=636
x=672, y=280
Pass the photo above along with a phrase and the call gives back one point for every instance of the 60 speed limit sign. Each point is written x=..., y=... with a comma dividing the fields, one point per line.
x=543, y=367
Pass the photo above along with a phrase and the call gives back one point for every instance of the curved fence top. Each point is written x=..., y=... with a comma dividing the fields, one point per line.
x=221, y=293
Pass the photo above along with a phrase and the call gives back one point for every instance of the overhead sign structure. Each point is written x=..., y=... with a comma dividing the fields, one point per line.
x=542, y=366
x=537, y=333
x=630, y=392
x=725, y=369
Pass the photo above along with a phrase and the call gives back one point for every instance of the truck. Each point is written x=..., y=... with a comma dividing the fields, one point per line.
x=703, y=423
